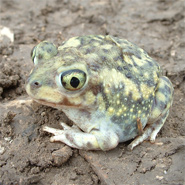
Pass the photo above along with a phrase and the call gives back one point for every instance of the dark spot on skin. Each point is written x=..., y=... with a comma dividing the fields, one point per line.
x=138, y=55
x=166, y=80
x=125, y=68
x=95, y=89
x=68, y=137
x=89, y=145
x=93, y=66
x=117, y=119
x=128, y=75
x=93, y=41
x=81, y=41
x=150, y=63
x=139, y=101
x=150, y=83
x=127, y=53
x=40, y=56
x=166, y=88
x=105, y=50
x=88, y=51
x=162, y=105
x=103, y=58
x=117, y=58
x=141, y=74
x=130, y=48
x=119, y=68
x=49, y=50
x=134, y=63
x=98, y=37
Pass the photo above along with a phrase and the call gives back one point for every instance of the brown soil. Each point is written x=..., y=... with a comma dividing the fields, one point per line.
x=26, y=155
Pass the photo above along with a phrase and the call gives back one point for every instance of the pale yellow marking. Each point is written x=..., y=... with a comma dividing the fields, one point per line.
x=119, y=63
x=124, y=109
x=120, y=110
x=118, y=102
x=107, y=91
x=75, y=100
x=135, y=70
x=139, y=62
x=146, y=75
x=91, y=57
x=115, y=78
x=73, y=42
x=101, y=103
x=155, y=113
x=106, y=46
x=128, y=59
x=155, y=77
x=69, y=57
x=49, y=94
x=111, y=110
x=146, y=90
x=90, y=97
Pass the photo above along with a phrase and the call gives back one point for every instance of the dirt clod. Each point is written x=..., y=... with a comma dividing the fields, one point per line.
x=62, y=155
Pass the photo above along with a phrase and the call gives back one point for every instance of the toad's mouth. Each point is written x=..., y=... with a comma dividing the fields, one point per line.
x=59, y=105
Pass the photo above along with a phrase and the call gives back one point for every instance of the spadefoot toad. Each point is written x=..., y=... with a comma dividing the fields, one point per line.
x=110, y=88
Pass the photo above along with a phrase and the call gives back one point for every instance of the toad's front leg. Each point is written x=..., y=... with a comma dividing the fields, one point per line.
x=74, y=137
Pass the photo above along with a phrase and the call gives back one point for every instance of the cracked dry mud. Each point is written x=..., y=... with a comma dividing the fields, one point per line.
x=26, y=155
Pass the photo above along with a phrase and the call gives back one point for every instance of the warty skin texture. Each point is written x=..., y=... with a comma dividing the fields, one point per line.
x=120, y=87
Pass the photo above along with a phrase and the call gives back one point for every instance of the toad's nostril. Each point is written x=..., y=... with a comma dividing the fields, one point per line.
x=36, y=84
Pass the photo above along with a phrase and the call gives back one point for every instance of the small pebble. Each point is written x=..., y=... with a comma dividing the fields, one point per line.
x=159, y=177
x=2, y=150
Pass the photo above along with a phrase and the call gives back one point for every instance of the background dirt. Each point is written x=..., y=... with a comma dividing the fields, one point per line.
x=26, y=155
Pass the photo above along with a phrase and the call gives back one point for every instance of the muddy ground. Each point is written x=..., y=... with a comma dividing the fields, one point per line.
x=26, y=155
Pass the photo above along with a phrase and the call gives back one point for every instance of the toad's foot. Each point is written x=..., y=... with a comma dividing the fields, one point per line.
x=150, y=132
x=74, y=137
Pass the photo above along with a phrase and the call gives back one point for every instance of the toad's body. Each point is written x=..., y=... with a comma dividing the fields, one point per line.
x=107, y=86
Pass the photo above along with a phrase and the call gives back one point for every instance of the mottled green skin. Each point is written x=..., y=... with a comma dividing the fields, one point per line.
x=123, y=84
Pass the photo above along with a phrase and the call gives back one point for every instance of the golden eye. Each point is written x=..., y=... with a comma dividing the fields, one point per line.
x=73, y=80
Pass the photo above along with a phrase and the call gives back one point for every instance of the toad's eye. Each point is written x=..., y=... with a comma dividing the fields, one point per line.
x=43, y=51
x=72, y=80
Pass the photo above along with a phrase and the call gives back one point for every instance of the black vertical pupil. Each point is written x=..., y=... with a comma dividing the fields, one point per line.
x=74, y=82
